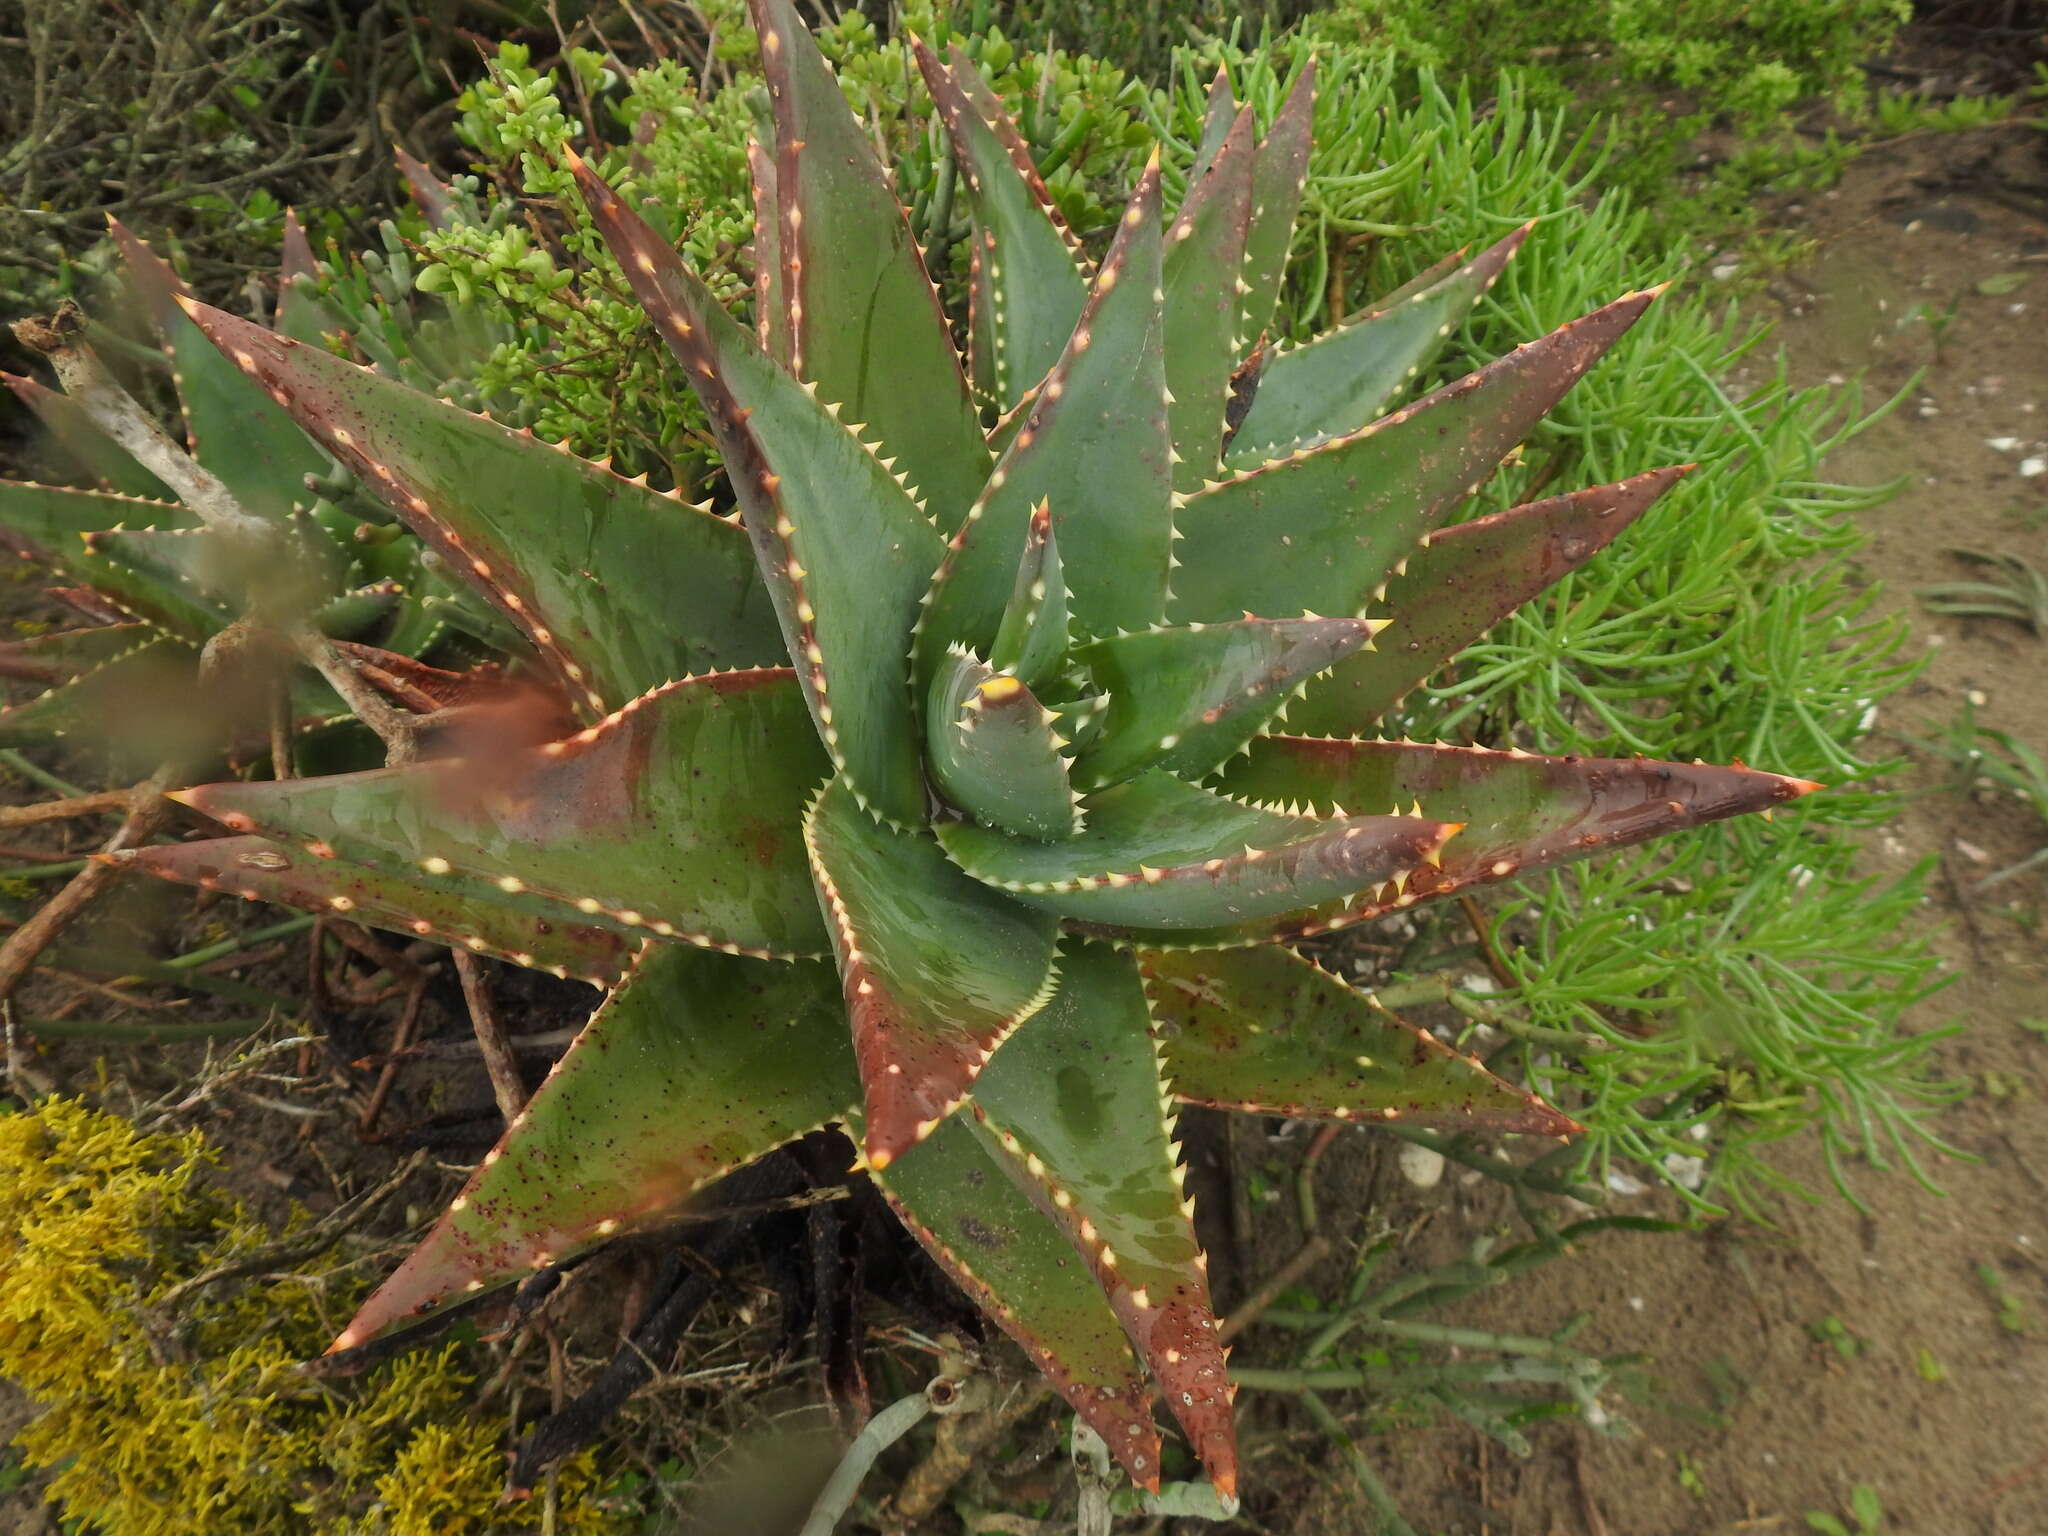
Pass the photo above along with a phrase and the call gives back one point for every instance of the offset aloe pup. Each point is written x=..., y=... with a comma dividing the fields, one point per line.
x=937, y=790
x=153, y=583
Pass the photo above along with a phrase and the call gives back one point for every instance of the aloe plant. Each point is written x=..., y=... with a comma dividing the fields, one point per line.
x=939, y=789
x=153, y=583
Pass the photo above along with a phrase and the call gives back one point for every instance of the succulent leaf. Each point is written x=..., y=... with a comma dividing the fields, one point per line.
x=1071, y=1098
x=864, y=320
x=1265, y=1031
x=676, y=817
x=1028, y=288
x=1344, y=378
x=1186, y=699
x=992, y=751
x=1096, y=447
x=258, y=869
x=937, y=968
x=1466, y=579
x=618, y=588
x=82, y=441
x=696, y=1064
x=57, y=522
x=1157, y=853
x=1277, y=184
x=1520, y=811
x=1031, y=641
x=960, y=1203
x=846, y=552
x=154, y=670
x=233, y=428
x=1201, y=275
x=1217, y=118
x=1324, y=528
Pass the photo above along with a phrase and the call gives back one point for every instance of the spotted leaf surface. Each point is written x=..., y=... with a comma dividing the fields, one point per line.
x=1463, y=582
x=864, y=320
x=1264, y=1030
x=1076, y=1100
x=258, y=869
x=696, y=1064
x=1186, y=699
x=678, y=817
x=1158, y=853
x=847, y=554
x=961, y=1204
x=1342, y=380
x=938, y=969
x=1322, y=529
x=619, y=588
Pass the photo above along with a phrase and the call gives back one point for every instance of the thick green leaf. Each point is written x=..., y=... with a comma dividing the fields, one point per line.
x=1276, y=198
x=233, y=428
x=1344, y=378
x=1201, y=272
x=1520, y=811
x=677, y=816
x=1159, y=853
x=1322, y=529
x=1186, y=699
x=90, y=448
x=1028, y=287
x=126, y=695
x=1096, y=447
x=961, y=1204
x=1265, y=1031
x=1031, y=641
x=63, y=654
x=258, y=869
x=221, y=576
x=1463, y=581
x=771, y=297
x=1075, y=1097
x=55, y=521
x=619, y=588
x=937, y=969
x=992, y=750
x=1216, y=120
x=864, y=319
x=846, y=552
x=697, y=1064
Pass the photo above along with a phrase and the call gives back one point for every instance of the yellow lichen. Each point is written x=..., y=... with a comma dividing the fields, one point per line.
x=193, y=1419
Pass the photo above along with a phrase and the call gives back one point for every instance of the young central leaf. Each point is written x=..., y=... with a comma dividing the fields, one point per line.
x=1095, y=447
x=937, y=968
x=992, y=751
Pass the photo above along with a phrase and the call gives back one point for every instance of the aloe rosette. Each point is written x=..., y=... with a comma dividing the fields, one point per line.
x=940, y=789
x=151, y=585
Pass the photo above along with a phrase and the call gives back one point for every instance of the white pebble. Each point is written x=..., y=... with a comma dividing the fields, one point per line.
x=2037, y=465
x=1421, y=1166
x=2002, y=444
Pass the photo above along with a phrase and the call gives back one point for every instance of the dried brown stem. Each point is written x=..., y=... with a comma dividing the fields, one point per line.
x=491, y=1037
x=961, y=1441
x=149, y=814
x=64, y=810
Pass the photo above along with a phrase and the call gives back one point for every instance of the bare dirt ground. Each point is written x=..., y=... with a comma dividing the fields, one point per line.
x=1753, y=1421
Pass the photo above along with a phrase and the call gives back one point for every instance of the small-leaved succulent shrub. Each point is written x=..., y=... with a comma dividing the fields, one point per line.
x=978, y=693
